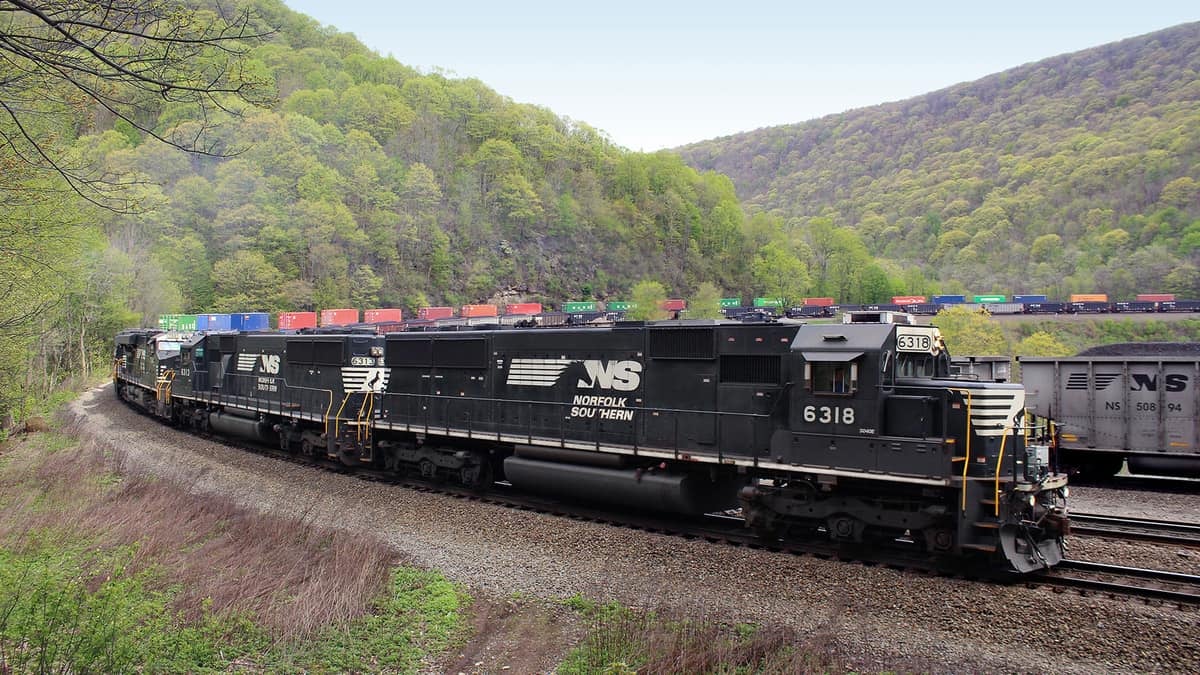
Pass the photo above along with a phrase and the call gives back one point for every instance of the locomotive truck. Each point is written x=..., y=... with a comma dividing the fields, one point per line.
x=855, y=432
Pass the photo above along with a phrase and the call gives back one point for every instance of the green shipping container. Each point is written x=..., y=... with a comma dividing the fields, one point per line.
x=990, y=298
x=768, y=302
x=570, y=307
x=727, y=303
x=177, y=321
x=621, y=306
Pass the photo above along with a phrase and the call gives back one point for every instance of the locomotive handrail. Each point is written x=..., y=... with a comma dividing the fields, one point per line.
x=529, y=405
x=966, y=460
x=1000, y=463
x=285, y=387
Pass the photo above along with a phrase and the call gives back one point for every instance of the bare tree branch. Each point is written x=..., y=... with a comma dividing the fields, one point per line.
x=68, y=59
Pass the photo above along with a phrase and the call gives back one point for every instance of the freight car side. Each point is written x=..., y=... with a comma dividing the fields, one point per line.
x=1110, y=409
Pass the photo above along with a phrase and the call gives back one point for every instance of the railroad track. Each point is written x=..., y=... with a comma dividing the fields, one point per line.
x=1136, y=529
x=1114, y=580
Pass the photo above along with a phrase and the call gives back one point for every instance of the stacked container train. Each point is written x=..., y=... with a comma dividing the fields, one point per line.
x=1080, y=303
x=856, y=433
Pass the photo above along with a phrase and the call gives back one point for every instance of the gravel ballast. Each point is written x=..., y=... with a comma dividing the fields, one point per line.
x=879, y=618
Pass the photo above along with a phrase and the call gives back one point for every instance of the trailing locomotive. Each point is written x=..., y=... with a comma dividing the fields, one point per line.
x=855, y=432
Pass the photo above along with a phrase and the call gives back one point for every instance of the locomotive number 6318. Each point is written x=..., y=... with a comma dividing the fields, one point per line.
x=826, y=414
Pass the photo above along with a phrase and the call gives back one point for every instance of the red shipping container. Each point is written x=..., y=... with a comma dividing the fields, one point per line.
x=1155, y=297
x=674, y=305
x=523, y=308
x=819, y=302
x=472, y=311
x=908, y=299
x=297, y=320
x=432, y=313
x=338, y=317
x=381, y=315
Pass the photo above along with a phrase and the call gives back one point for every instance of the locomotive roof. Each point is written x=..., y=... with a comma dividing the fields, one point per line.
x=842, y=337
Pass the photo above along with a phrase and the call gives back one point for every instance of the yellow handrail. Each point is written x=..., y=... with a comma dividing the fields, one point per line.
x=967, y=457
x=999, y=463
x=365, y=410
x=337, y=417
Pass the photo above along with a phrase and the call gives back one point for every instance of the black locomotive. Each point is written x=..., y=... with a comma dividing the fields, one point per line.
x=856, y=432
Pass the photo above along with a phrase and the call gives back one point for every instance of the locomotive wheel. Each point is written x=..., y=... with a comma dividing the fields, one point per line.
x=478, y=476
x=845, y=528
x=938, y=539
x=306, y=447
x=427, y=469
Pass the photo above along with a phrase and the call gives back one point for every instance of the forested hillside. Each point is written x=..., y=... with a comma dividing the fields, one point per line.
x=1078, y=173
x=372, y=184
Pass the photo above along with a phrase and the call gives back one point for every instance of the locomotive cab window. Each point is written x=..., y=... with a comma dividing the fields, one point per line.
x=834, y=373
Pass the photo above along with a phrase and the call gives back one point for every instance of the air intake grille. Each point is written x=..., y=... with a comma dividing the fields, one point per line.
x=750, y=369
x=682, y=343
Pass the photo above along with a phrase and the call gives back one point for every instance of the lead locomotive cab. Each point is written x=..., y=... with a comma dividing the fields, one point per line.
x=883, y=446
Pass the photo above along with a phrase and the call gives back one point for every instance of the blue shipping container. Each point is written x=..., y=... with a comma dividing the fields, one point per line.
x=251, y=321
x=948, y=299
x=1028, y=298
x=213, y=322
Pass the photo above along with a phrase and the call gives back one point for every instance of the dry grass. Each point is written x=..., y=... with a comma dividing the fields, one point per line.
x=295, y=578
x=665, y=642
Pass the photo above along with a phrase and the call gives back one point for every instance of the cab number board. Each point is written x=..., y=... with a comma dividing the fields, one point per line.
x=913, y=343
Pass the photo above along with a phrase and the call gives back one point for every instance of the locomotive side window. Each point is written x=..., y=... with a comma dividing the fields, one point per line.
x=831, y=377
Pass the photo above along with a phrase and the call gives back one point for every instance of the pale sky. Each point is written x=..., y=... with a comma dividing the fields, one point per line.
x=656, y=75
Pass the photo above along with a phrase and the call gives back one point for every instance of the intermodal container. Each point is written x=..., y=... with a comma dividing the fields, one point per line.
x=166, y=321
x=620, y=306
x=818, y=302
x=1004, y=307
x=523, y=308
x=475, y=311
x=678, y=305
x=1089, y=297
x=382, y=315
x=576, y=307
x=297, y=320
x=338, y=317
x=989, y=298
x=768, y=302
x=250, y=321
x=186, y=322
x=728, y=303
x=908, y=299
x=432, y=313
x=949, y=299
x=1155, y=297
x=1024, y=299
x=213, y=322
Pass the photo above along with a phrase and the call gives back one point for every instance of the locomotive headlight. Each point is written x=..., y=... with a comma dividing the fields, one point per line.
x=1066, y=492
x=376, y=351
x=1031, y=498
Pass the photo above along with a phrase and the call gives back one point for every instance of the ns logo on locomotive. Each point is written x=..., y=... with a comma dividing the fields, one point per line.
x=856, y=432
